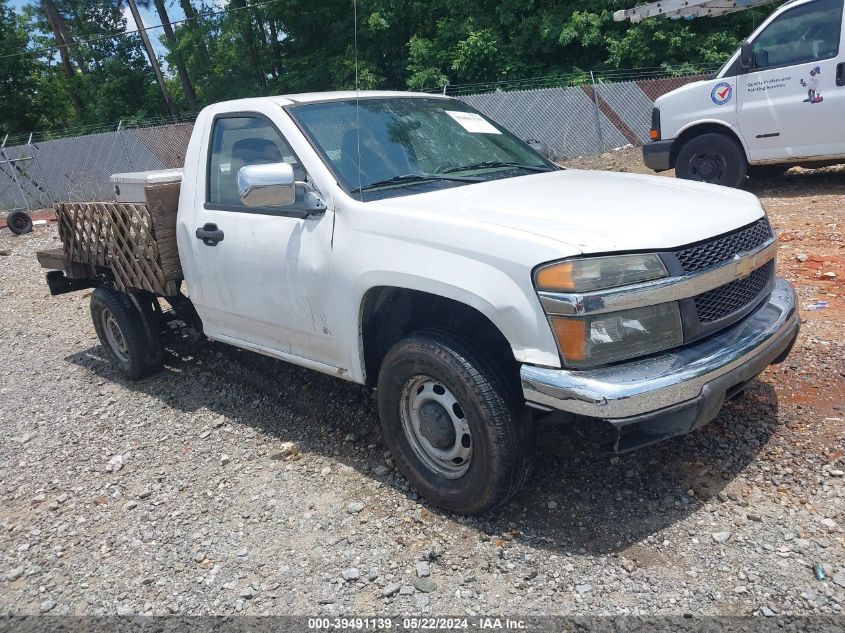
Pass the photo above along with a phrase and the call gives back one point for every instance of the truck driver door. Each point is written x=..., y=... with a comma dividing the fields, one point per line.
x=265, y=284
x=791, y=102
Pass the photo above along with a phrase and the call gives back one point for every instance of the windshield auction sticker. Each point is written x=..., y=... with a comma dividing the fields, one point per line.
x=473, y=122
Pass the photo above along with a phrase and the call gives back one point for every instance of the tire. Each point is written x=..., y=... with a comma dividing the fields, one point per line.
x=713, y=158
x=123, y=327
x=427, y=371
x=19, y=222
x=767, y=171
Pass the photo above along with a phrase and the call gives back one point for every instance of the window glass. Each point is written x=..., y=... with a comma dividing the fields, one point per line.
x=805, y=34
x=240, y=141
x=416, y=143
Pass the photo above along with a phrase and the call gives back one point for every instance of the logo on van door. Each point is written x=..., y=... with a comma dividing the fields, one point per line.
x=722, y=93
x=812, y=86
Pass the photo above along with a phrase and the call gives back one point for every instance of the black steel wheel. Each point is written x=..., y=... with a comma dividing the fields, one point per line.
x=712, y=158
x=19, y=222
x=126, y=333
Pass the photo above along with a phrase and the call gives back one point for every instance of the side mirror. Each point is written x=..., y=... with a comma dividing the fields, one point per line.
x=268, y=185
x=746, y=56
x=541, y=148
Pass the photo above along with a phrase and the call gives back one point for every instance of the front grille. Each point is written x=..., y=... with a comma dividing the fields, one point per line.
x=734, y=296
x=724, y=248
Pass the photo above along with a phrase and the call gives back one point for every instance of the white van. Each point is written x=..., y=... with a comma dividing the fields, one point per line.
x=778, y=102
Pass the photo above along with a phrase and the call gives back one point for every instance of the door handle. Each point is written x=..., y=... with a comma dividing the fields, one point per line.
x=209, y=234
x=840, y=74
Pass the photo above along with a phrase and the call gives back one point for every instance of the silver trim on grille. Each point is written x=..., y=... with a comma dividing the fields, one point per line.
x=660, y=290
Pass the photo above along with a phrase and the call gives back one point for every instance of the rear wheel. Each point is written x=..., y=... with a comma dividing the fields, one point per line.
x=19, y=222
x=712, y=158
x=126, y=332
x=451, y=423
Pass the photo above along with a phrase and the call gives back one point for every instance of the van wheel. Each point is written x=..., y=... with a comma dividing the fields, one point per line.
x=125, y=334
x=712, y=158
x=19, y=222
x=451, y=423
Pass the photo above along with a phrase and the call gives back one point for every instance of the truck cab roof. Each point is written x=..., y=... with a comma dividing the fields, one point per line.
x=332, y=95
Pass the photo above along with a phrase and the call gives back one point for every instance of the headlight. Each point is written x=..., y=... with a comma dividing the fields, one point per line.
x=599, y=273
x=616, y=336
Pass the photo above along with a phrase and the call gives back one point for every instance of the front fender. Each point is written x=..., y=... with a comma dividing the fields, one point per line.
x=503, y=294
x=518, y=316
x=711, y=125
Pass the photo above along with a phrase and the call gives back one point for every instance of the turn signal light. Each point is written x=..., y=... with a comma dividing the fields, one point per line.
x=598, y=273
x=571, y=337
x=556, y=277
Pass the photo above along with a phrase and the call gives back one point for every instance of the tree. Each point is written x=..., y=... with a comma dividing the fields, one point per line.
x=55, y=20
x=165, y=93
x=249, y=47
x=178, y=61
x=16, y=91
x=243, y=21
x=192, y=26
x=116, y=82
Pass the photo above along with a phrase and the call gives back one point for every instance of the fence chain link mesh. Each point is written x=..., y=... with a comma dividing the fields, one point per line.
x=599, y=113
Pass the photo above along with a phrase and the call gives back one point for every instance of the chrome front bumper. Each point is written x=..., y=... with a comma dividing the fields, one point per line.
x=694, y=380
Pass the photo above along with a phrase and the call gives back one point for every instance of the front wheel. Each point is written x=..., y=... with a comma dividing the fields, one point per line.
x=712, y=158
x=451, y=423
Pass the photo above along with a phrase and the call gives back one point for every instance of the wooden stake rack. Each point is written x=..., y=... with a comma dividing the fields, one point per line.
x=134, y=243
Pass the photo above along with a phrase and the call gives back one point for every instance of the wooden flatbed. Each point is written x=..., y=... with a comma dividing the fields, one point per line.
x=131, y=245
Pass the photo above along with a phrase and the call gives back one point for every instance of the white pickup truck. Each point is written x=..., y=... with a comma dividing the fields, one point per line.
x=406, y=242
x=779, y=101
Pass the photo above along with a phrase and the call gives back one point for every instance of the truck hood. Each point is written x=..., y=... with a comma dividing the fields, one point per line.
x=594, y=211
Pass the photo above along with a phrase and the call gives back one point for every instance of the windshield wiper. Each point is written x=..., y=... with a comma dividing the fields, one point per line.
x=410, y=178
x=496, y=163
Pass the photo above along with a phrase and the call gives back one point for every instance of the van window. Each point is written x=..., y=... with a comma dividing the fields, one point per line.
x=237, y=142
x=805, y=34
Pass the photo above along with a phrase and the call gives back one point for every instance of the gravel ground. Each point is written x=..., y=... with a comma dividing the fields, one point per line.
x=231, y=483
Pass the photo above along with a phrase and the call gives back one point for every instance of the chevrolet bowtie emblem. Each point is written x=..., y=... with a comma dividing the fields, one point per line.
x=744, y=267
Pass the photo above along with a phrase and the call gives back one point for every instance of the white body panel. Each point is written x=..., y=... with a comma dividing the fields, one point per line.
x=293, y=288
x=769, y=111
x=692, y=105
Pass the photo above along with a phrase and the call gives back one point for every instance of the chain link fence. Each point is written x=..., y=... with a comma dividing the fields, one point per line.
x=38, y=173
x=589, y=114
x=580, y=114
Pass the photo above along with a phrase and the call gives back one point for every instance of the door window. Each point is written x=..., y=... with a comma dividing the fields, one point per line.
x=237, y=142
x=805, y=34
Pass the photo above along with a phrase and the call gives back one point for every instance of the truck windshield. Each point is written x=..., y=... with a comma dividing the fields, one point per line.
x=410, y=145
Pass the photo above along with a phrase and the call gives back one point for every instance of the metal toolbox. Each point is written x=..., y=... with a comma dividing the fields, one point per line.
x=129, y=187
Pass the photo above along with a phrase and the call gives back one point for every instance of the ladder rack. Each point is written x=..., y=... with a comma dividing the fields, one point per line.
x=687, y=9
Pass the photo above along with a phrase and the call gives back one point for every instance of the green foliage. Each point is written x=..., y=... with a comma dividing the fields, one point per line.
x=415, y=44
x=17, y=89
